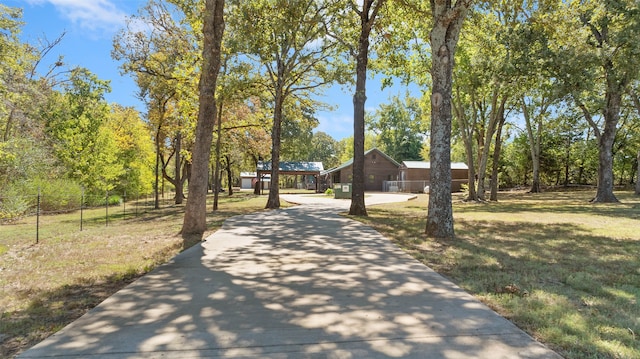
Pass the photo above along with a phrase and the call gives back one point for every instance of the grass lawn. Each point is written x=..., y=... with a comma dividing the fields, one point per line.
x=47, y=285
x=564, y=270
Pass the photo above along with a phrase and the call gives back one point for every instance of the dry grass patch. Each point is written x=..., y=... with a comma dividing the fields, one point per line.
x=47, y=285
x=564, y=270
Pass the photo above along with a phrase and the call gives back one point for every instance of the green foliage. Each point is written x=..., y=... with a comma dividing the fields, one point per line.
x=345, y=146
x=298, y=123
x=13, y=204
x=114, y=200
x=288, y=39
x=24, y=166
x=21, y=91
x=9, y=23
x=101, y=199
x=76, y=123
x=134, y=151
x=324, y=149
x=626, y=148
x=403, y=48
x=401, y=128
x=23, y=159
x=517, y=158
x=164, y=58
x=58, y=195
x=329, y=192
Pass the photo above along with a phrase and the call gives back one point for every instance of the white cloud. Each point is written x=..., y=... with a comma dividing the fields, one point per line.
x=93, y=15
x=337, y=125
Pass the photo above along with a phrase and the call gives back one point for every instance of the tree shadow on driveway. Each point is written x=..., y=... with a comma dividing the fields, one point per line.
x=301, y=282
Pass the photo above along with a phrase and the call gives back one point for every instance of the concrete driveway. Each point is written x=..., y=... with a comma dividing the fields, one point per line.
x=302, y=282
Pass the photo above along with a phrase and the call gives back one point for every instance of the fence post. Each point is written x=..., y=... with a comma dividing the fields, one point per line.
x=124, y=205
x=81, y=208
x=106, y=200
x=38, y=218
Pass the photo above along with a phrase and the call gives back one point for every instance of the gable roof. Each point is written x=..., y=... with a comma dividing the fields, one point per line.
x=293, y=166
x=350, y=161
x=427, y=165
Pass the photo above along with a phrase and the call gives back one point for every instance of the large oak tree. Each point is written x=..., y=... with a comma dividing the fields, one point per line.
x=288, y=39
x=448, y=18
x=594, y=52
x=195, y=216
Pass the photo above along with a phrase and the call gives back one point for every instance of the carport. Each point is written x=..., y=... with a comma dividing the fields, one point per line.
x=294, y=168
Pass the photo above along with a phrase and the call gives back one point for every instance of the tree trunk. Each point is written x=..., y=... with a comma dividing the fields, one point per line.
x=567, y=163
x=367, y=18
x=195, y=216
x=178, y=180
x=636, y=103
x=604, y=192
x=479, y=129
x=229, y=176
x=216, y=171
x=473, y=195
x=534, y=147
x=495, y=181
x=613, y=100
x=186, y=172
x=444, y=39
x=468, y=146
x=358, y=207
x=638, y=176
x=494, y=117
x=156, y=187
x=258, y=184
x=7, y=128
x=273, y=202
x=440, y=212
x=178, y=167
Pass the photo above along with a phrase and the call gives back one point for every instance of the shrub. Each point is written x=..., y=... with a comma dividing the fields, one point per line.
x=13, y=204
x=114, y=200
x=59, y=195
x=99, y=200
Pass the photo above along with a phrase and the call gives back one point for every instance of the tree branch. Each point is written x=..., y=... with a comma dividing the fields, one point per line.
x=588, y=117
x=636, y=101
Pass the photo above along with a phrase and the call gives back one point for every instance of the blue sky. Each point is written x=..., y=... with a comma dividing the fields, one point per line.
x=91, y=24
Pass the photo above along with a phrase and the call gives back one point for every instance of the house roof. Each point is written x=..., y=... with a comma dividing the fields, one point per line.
x=427, y=165
x=293, y=167
x=350, y=161
x=252, y=175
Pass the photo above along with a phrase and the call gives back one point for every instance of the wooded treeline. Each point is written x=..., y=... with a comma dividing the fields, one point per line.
x=542, y=93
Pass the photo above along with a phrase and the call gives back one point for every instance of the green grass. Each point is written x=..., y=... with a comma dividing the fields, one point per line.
x=47, y=285
x=564, y=270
